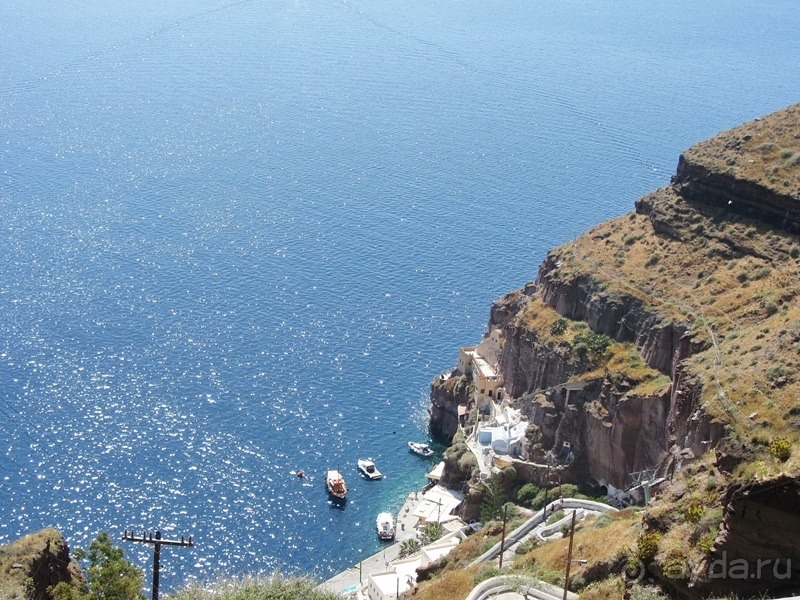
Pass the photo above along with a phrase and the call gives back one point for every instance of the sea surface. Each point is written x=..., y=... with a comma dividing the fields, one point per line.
x=239, y=238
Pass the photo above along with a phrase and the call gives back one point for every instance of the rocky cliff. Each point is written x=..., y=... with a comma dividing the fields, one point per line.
x=653, y=337
x=33, y=565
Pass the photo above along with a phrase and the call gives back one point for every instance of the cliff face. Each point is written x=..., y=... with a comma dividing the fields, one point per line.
x=447, y=394
x=649, y=339
x=663, y=341
x=750, y=170
x=757, y=546
x=33, y=565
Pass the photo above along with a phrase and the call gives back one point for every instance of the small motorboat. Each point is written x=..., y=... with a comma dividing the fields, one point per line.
x=336, y=484
x=385, y=525
x=421, y=449
x=368, y=469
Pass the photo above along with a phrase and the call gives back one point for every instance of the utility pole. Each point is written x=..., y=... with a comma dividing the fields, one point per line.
x=147, y=538
x=546, y=482
x=503, y=538
x=569, y=553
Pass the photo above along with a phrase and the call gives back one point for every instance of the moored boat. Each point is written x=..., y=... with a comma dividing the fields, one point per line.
x=385, y=524
x=368, y=469
x=421, y=449
x=336, y=484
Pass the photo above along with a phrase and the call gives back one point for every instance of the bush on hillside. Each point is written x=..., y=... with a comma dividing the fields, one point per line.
x=276, y=587
x=527, y=494
x=109, y=575
x=596, y=343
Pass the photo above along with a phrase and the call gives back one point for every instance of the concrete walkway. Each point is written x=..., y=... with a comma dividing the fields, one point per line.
x=522, y=532
x=359, y=573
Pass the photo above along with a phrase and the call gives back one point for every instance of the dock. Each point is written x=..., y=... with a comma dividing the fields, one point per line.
x=404, y=530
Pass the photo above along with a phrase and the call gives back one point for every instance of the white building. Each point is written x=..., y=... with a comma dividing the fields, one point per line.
x=402, y=575
x=437, y=505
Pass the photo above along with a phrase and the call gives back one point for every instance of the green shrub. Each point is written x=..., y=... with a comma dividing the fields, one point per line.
x=467, y=462
x=694, y=512
x=596, y=343
x=645, y=592
x=568, y=490
x=632, y=238
x=647, y=546
x=527, y=494
x=762, y=273
x=567, y=529
x=602, y=520
x=707, y=541
x=276, y=587
x=579, y=348
x=781, y=448
x=771, y=307
x=109, y=575
x=486, y=572
x=653, y=259
x=540, y=499
x=559, y=326
x=776, y=372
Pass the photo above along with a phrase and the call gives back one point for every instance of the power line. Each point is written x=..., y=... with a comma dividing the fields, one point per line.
x=157, y=542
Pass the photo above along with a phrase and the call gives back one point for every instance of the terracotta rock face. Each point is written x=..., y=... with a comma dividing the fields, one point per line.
x=757, y=548
x=694, y=302
x=36, y=563
x=750, y=170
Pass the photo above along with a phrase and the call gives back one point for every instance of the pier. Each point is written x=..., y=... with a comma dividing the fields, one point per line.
x=405, y=529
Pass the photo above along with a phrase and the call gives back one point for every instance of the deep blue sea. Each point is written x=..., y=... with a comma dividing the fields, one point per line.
x=239, y=238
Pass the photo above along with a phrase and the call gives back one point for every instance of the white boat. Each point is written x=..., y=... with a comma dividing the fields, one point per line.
x=421, y=449
x=385, y=525
x=336, y=484
x=368, y=469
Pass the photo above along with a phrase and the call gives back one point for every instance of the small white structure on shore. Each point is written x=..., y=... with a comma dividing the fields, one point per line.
x=402, y=575
x=436, y=473
x=397, y=580
x=437, y=505
x=506, y=435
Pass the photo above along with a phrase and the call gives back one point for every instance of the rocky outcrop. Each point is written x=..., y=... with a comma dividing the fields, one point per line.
x=756, y=548
x=699, y=284
x=750, y=170
x=702, y=184
x=624, y=317
x=448, y=392
x=613, y=433
x=528, y=365
x=33, y=565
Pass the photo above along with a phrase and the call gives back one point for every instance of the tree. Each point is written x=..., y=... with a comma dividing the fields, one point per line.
x=527, y=494
x=432, y=532
x=409, y=547
x=493, y=500
x=110, y=576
